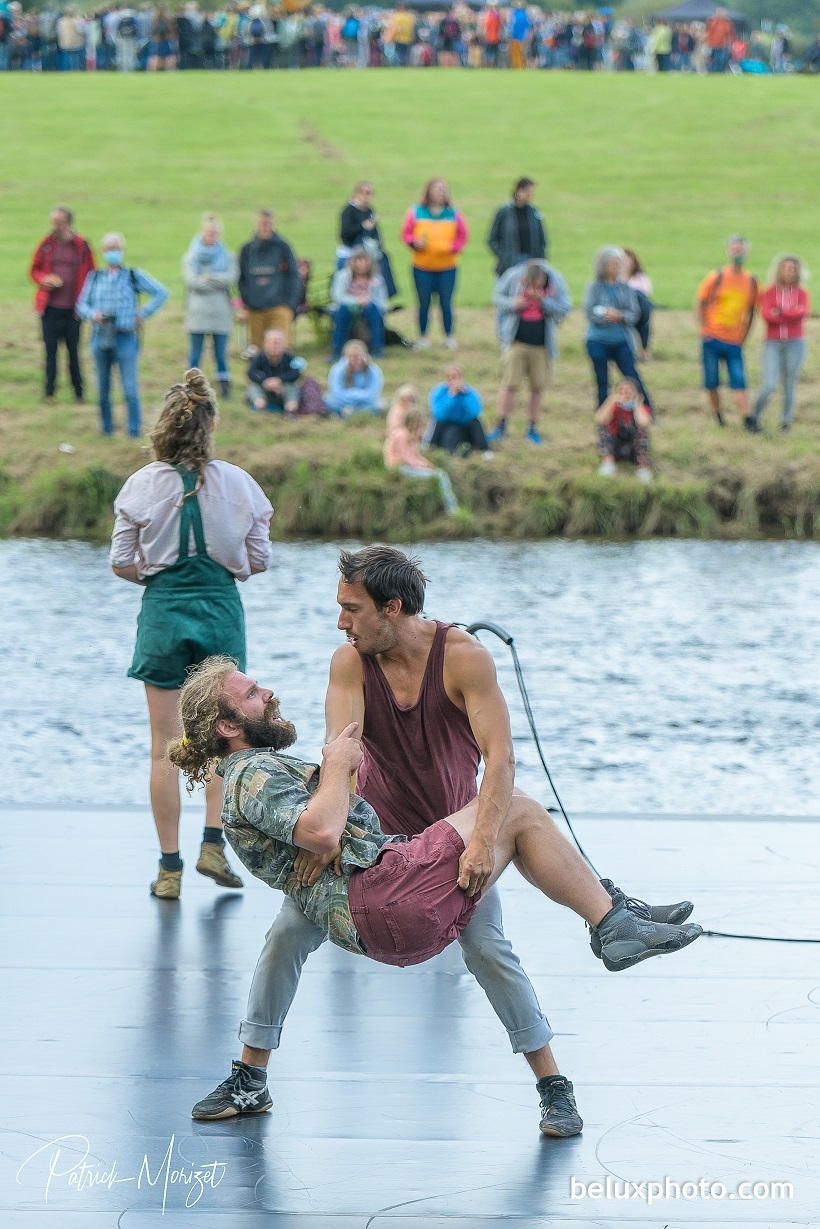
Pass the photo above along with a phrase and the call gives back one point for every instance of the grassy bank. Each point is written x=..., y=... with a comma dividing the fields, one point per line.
x=326, y=478
x=668, y=165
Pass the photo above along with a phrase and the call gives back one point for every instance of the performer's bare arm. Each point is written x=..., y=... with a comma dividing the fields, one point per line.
x=344, y=704
x=470, y=680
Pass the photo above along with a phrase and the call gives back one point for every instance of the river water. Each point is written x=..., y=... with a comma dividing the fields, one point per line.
x=665, y=676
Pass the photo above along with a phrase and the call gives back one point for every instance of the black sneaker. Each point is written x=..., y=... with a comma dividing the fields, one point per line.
x=559, y=1113
x=719, y=419
x=244, y=1092
x=627, y=936
x=673, y=915
x=751, y=425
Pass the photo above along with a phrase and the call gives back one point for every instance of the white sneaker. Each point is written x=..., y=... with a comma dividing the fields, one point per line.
x=607, y=469
x=421, y=344
x=488, y=455
x=450, y=343
x=644, y=474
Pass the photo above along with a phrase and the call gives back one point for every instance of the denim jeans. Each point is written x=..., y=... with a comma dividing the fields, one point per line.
x=487, y=953
x=442, y=284
x=620, y=353
x=125, y=357
x=781, y=360
x=444, y=484
x=220, y=344
x=343, y=318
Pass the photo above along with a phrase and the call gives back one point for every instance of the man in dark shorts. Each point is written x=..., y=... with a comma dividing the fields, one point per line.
x=433, y=711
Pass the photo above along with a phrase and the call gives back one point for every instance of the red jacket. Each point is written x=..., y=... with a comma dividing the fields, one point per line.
x=784, y=309
x=41, y=265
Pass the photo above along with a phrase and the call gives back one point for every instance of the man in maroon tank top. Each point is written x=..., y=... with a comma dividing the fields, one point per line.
x=429, y=708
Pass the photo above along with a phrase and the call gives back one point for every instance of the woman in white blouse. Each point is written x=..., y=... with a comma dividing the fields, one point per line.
x=187, y=528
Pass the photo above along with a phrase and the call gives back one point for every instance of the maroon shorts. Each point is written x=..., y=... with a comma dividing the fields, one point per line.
x=408, y=906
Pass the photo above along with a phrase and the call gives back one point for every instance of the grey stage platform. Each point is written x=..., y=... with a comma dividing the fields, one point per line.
x=397, y=1101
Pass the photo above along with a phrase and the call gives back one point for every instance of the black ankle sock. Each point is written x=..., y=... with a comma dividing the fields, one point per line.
x=171, y=861
x=213, y=836
x=548, y=1079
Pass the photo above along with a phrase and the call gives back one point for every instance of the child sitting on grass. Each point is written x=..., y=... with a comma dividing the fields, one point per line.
x=401, y=452
x=623, y=431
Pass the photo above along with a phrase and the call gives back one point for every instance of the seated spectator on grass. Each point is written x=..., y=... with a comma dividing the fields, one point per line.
x=358, y=298
x=355, y=383
x=406, y=397
x=633, y=273
x=612, y=310
x=274, y=376
x=456, y=410
x=401, y=452
x=623, y=431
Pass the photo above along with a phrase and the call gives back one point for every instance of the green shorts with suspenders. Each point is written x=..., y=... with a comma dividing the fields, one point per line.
x=189, y=610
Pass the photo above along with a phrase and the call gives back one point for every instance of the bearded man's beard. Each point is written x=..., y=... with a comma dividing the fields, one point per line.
x=268, y=730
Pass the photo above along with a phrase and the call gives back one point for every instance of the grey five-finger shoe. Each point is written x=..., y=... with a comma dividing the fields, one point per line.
x=244, y=1092
x=626, y=937
x=673, y=915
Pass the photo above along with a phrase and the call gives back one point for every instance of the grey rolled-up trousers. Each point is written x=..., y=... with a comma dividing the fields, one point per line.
x=487, y=953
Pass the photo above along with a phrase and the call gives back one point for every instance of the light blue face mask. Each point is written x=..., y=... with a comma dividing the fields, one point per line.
x=113, y=256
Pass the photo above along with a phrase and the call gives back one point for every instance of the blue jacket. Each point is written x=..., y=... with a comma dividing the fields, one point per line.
x=461, y=409
x=623, y=299
x=556, y=305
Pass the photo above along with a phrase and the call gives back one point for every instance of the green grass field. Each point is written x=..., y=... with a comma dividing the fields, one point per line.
x=668, y=166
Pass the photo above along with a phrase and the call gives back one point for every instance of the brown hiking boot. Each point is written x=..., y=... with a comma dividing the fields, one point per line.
x=213, y=863
x=167, y=885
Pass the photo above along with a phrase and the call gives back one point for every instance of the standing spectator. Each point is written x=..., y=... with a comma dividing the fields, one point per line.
x=358, y=293
x=623, y=431
x=683, y=48
x=125, y=40
x=531, y=300
x=110, y=297
x=635, y=277
x=784, y=306
x=449, y=36
x=401, y=452
x=60, y=266
x=209, y=270
x=612, y=310
x=491, y=25
x=162, y=52
x=354, y=383
x=436, y=233
x=589, y=48
x=187, y=528
x=71, y=41
x=517, y=232
x=274, y=376
x=359, y=228
x=49, y=49
x=269, y=284
x=660, y=45
x=520, y=28
x=456, y=411
x=719, y=36
x=727, y=299
x=402, y=33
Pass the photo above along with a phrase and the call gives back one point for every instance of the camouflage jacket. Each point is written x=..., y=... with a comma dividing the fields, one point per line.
x=264, y=794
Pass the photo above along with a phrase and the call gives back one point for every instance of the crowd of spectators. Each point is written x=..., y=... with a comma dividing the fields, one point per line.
x=243, y=35
x=264, y=287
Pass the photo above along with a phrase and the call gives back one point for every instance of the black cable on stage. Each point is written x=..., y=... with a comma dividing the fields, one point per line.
x=487, y=625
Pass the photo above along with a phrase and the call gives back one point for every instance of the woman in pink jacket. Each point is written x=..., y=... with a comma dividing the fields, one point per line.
x=784, y=306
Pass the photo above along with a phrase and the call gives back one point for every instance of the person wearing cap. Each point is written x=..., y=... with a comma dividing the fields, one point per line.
x=726, y=302
x=517, y=233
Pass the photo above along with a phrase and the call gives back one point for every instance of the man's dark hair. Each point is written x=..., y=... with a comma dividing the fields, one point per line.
x=523, y=183
x=386, y=573
x=66, y=212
